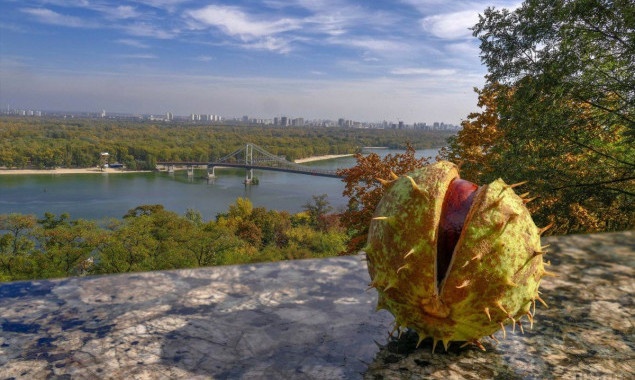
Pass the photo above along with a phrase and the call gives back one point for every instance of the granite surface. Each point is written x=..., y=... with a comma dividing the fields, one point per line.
x=309, y=319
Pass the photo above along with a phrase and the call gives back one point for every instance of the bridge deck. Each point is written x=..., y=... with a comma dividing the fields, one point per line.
x=305, y=170
x=255, y=157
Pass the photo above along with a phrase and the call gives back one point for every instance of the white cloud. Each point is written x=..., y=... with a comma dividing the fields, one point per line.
x=270, y=43
x=463, y=48
x=422, y=71
x=133, y=43
x=251, y=31
x=168, y=5
x=143, y=29
x=48, y=16
x=376, y=44
x=237, y=23
x=451, y=20
x=451, y=26
x=330, y=24
x=139, y=56
x=122, y=12
x=426, y=4
x=9, y=27
x=371, y=45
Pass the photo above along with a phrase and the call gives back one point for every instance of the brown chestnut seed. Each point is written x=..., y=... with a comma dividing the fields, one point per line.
x=453, y=261
x=456, y=205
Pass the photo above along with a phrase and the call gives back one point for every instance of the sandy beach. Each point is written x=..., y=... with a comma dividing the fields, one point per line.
x=65, y=171
x=320, y=158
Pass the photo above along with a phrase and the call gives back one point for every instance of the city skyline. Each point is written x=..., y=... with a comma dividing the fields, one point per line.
x=206, y=118
x=410, y=60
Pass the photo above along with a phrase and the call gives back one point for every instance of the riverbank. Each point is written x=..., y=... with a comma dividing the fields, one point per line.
x=321, y=158
x=94, y=170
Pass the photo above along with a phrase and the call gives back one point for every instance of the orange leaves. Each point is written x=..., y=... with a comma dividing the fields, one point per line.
x=364, y=191
x=479, y=135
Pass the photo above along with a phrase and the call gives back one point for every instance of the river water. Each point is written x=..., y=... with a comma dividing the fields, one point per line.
x=100, y=196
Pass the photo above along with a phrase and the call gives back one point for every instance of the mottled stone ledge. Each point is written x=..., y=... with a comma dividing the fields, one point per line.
x=309, y=319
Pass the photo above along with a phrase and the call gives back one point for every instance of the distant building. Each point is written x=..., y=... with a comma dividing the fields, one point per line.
x=169, y=116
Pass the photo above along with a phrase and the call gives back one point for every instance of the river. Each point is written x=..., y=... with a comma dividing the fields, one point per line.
x=100, y=196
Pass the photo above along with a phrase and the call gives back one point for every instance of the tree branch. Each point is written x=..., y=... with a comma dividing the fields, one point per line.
x=598, y=184
x=620, y=191
x=597, y=151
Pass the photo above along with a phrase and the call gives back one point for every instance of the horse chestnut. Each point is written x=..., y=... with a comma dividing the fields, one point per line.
x=451, y=260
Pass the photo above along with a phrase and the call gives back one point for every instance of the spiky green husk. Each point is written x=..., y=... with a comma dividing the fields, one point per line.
x=495, y=271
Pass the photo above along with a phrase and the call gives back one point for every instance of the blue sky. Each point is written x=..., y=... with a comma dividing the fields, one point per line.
x=410, y=60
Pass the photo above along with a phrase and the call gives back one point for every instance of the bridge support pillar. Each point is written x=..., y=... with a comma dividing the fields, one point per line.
x=190, y=171
x=249, y=176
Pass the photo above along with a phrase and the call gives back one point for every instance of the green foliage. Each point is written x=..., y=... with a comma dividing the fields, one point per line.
x=47, y=143
x=149, y=237
x=66, y=248
x=559, y=111
x=17, y=246
x=317, y=211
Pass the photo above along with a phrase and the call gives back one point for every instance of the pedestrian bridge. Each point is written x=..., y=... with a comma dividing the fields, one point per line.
x=251, y=157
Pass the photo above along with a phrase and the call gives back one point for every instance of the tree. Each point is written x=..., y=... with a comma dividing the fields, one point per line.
x=194, y=216
x=561, y=72
x=209, y=243
x=317, y=210
x=49, y=221
x=250, y=233
x=18, y=226
x=364, y=190
x=17, y=246
x=128, y=247
x=149, y=238
x=144, y=210
x=67, y=248
x=241, y=209
x=271, y=223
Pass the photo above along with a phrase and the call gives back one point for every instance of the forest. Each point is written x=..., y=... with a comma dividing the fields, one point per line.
x=57, y=142
x=557, y=114
x=150, y=237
